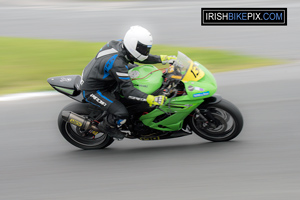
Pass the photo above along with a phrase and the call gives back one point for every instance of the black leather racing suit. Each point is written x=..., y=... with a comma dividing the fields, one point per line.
x=104, y=72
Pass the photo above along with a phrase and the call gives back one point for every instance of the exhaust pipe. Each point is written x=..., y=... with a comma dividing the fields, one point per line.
x=78, y=120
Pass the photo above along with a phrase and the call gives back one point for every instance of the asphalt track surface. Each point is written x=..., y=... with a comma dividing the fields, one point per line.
x=261, y=163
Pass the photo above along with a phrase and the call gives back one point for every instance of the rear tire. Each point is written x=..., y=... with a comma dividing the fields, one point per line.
x=227, y=125
x=77, y=137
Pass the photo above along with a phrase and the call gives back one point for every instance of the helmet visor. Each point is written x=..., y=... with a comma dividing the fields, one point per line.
x=143, y=49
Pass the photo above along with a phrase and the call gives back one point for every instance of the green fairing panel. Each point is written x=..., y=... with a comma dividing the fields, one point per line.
x=180, y=107
x=209, y=77
x=203, y=88
x=146, y=78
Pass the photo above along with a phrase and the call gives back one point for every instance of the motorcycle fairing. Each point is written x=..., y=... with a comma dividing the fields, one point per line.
x=194, y=73
x=205, y=87
x=176, y=109
x=198, y=86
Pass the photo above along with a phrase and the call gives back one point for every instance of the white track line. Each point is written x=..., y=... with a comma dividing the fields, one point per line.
x=21, y=96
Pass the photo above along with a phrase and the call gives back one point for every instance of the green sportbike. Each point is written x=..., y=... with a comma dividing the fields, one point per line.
x=192, y=107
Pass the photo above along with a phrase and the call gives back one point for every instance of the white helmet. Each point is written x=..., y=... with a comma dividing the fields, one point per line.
x=138, y=42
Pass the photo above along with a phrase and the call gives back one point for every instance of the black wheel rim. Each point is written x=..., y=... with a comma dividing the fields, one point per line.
x=222, y=127
x=82, y=137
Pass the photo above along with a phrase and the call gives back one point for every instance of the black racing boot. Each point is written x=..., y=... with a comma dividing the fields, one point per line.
x=112, y=131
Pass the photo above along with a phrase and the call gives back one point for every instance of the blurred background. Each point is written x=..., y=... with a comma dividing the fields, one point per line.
x=174, y=24
x=256, y=67
x=26, y=64
x=171, y=22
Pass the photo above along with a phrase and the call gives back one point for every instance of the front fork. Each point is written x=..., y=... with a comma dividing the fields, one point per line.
x=205, y=114
x=207, y=118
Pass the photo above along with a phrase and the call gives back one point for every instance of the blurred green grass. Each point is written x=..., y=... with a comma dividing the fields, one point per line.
x=27, y=63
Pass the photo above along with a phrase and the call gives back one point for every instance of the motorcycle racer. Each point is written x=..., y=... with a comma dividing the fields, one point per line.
x=109, y=68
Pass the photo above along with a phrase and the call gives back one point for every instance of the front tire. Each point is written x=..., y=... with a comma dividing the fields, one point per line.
x=79, y=138
x=227, y=121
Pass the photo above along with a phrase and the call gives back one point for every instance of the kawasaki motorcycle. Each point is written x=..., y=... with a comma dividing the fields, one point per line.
x=192, y=107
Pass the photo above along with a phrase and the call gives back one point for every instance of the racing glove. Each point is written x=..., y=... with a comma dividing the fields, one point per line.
x=165, y=59
x=156, y=100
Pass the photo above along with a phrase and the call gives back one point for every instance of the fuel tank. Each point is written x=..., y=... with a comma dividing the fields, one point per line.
x=146, y=78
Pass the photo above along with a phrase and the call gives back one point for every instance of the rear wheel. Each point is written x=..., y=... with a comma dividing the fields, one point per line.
x=217, y=122
x=75, y=136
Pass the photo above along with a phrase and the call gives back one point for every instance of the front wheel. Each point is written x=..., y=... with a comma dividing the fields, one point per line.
x=77, y=137
x=217, y=122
